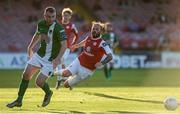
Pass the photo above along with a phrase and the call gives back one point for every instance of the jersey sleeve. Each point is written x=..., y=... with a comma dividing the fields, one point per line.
x=60, y=33
x=41, y=29
x=74, y=29
x=106, y=47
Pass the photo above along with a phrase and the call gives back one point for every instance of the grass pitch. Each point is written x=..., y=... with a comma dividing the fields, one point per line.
x=127, y=92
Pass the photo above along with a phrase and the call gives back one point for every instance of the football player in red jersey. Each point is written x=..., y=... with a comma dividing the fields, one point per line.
x=72, y=37
x=70, y=28
x=96, y=53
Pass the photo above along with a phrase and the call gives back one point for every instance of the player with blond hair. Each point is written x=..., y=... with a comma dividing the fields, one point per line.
x=72, y=37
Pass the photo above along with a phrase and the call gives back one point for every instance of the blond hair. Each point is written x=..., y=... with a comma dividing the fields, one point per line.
x=67, y=10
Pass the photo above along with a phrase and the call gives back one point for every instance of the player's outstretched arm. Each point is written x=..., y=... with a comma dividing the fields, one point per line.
x=108, y=58
x=76, y=36
x=81, y=44
x=108, y=52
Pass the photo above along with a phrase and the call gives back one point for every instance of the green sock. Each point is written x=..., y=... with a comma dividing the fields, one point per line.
x=109, y=73
x=46, y=88
x=22, y=89
x=106, y=71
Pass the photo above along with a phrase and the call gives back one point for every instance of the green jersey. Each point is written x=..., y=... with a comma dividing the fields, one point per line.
x=56, y=33
x=110, y=38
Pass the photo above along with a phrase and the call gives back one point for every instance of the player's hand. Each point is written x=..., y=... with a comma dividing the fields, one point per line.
x=98, y=65
x=30, y=52
x=73, y=47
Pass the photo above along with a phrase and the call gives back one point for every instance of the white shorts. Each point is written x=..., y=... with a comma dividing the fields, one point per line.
x=45, y=65
x=79, y=73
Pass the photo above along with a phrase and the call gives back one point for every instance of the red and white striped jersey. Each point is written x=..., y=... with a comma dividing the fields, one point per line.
x=93, y=52
x=71, y=32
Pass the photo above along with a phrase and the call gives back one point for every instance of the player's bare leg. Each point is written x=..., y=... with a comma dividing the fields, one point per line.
x=26, y=76
x=41, y=82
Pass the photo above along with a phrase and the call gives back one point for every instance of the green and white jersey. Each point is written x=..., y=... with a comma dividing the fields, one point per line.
x=110, y=38
x=56, y=33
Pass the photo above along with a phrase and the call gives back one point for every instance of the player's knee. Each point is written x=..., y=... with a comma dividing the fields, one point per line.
x=66, y=84
x=39, y=83
x=66, y=73
x=26, y=76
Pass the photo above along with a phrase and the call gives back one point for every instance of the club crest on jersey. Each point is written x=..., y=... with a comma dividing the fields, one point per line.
x=88, y=49
x=95, y=43
x=50, y=31
x=67, y=27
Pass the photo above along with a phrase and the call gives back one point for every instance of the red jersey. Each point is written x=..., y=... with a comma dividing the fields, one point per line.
x=93, y=52
x=71, y=32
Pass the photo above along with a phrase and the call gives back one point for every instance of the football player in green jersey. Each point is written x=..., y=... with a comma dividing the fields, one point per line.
x=110, y=37
x=52, y=38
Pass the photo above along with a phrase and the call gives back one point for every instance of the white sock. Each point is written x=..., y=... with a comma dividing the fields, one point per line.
x=61, y=78
x=65, y=78
x=58, y=72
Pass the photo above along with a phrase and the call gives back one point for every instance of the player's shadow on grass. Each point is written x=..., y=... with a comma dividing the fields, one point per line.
x=64, y=112
x=122, y=98
x=56, y=111
x=127, y=112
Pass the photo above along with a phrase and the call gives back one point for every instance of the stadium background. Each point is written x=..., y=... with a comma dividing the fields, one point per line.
x=147, y=56
x=148, y=30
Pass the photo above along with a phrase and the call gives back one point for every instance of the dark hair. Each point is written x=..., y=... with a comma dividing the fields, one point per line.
x=50, y=9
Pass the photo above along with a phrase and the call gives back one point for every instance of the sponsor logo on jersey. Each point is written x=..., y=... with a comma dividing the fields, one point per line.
x=50, y=31
x=67, y=27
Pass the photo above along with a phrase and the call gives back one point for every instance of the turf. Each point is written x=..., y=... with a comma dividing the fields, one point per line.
x=127, y=92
